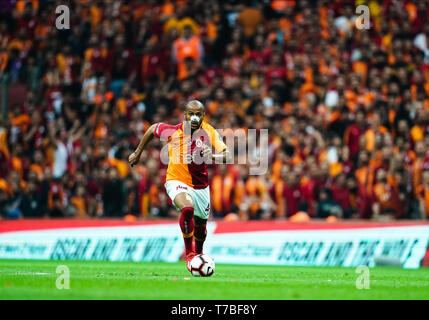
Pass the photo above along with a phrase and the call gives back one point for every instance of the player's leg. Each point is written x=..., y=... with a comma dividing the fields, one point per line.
x=183, y=202
x=182, y=197
x=202, y=211
x=200, y=234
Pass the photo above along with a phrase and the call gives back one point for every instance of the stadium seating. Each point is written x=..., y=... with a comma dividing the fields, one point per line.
x=347, y=109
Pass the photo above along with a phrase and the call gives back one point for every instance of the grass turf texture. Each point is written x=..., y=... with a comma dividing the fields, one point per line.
x=132, y=280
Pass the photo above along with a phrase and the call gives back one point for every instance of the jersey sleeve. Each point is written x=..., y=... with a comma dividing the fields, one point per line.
x=164, y=131
x=216, y=140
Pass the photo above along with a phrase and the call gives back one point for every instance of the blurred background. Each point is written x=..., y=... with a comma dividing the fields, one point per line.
x=347, y=109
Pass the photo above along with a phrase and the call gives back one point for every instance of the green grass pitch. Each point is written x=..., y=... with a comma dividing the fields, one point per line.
x=133, y=280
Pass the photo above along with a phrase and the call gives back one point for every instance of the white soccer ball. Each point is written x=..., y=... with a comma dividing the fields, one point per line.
x=202, y=265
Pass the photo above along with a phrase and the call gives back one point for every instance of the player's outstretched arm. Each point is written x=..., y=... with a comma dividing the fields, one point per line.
x=134, y=158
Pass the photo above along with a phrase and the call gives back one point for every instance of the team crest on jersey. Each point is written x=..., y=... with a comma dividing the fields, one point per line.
x=199, y=143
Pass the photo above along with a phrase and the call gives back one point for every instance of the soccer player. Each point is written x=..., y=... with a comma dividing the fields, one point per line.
x=190, y=147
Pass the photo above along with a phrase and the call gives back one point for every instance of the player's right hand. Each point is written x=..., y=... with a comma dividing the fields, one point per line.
x=133, y=159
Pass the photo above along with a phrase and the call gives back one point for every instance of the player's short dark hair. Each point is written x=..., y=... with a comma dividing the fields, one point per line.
x=194, y=102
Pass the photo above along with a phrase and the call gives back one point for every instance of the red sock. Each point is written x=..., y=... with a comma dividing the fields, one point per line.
x=186, y=222
x=200, y=237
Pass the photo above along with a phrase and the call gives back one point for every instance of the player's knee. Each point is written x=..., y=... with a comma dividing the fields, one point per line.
x=183, y=200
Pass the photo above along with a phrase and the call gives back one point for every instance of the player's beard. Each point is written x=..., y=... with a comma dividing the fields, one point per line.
x=196, y=127
x=193, y=125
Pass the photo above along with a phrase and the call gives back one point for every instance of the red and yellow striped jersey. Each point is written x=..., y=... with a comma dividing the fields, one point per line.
x=183, y=146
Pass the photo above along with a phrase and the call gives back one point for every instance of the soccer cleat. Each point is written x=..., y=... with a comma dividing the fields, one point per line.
x=189, y=258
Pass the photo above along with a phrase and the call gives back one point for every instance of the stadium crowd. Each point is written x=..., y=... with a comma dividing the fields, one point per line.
x=347, y=109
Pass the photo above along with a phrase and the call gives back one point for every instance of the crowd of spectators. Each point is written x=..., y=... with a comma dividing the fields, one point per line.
x=346, y=108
